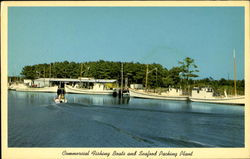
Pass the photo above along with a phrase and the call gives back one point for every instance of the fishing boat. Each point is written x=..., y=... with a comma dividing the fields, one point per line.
x=25, y=88
x=170, y=94
x=96, y=90
x=206, y=94
x=167, y=95
x=122, y=91
x=240, y=100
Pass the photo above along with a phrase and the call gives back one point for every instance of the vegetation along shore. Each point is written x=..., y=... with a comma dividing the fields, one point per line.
x=158, y=77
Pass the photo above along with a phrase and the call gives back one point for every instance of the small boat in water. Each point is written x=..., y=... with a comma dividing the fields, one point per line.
x=61, y=94
x=58, y=100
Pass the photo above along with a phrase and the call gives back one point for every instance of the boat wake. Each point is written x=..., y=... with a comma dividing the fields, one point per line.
x=137, y=138
x=178, y=141
x=52, y=106
x=152, y=141
x=150, y=109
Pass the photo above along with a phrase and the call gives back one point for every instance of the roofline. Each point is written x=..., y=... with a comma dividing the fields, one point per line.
x=76, y=80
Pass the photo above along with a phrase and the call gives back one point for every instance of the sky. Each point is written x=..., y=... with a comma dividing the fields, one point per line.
x=163, y=35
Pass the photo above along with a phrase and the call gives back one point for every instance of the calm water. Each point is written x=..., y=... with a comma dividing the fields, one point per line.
x=103, y=121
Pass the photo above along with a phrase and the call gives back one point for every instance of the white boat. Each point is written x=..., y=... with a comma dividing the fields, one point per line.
x=171, y=94
x=14, y=86
x=166, y=96
x=57, y=100
x=205, y=95
x=24, y=88
x=70, y=89
x=238, y=100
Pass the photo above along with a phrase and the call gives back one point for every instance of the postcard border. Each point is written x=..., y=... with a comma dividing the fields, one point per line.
x=31, y=153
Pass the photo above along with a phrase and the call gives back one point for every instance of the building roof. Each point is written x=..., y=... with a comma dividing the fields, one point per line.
x=76, y=80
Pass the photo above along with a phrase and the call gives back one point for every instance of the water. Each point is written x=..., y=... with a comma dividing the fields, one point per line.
x=34, y=120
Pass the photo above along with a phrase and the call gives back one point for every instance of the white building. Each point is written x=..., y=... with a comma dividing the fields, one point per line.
x=28, y=82
x=97, y=84
x=42, y=82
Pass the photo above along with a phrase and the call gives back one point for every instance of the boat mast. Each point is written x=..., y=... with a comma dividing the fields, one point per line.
x=81, y=71
x=146, y=85
x=156, y=69
x=50, y=71
x=122, y=77
x=44, y=76
x=235, y=90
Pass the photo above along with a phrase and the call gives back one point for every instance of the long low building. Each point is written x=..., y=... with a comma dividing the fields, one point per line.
x=45, y=82
x=67, y=80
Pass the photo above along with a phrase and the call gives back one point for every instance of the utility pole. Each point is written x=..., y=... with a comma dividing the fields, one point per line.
x=147, y=72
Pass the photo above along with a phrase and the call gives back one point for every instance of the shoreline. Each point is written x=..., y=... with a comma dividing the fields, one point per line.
x=239, y=101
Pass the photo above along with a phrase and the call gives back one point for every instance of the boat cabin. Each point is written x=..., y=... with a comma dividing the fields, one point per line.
x=174, y=91
x=136, y=86
x=204, y=92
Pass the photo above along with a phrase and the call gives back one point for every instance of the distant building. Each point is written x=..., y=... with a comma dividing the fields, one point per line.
x=80, y=82
x=136, y=86
x=42, y=82
x=12, y=79
x=28, y=82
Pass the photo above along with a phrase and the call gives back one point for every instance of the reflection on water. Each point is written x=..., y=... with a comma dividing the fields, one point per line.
x=104, y=121
x=98, y=99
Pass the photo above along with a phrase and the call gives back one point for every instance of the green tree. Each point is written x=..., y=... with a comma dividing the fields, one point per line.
x=29, y=72
x=173, y=76
x=188, y=70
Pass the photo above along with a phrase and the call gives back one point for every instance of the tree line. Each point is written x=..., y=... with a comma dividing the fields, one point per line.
x=182, y=76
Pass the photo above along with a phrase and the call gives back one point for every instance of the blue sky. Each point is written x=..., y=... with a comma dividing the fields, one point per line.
x=163, y=35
